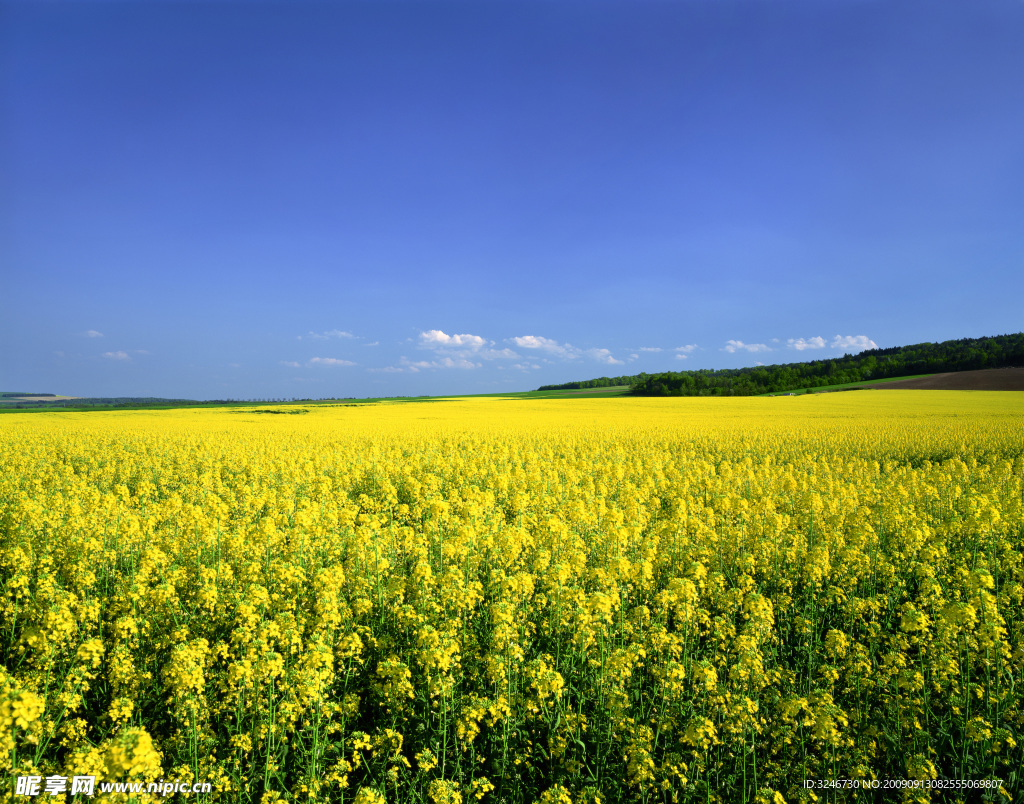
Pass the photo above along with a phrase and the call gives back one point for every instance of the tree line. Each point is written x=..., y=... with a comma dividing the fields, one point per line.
x=600, y=382
x=873, y=364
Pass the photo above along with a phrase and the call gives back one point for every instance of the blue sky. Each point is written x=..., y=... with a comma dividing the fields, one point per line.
x=234, y=199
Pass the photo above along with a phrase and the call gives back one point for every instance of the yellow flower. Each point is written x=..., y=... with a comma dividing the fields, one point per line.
x=555, y=795
x=426, y=760
x=132, y=755
x=20, y=710
x=444, y=792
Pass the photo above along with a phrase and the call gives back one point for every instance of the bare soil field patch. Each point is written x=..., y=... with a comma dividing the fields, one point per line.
x=1001, y=379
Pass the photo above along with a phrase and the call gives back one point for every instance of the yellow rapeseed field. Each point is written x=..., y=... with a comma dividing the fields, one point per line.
x=515, y=600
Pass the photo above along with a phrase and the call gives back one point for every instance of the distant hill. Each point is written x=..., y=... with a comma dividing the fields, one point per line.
x=966, y=354
x=9, y=399
x=13, y=400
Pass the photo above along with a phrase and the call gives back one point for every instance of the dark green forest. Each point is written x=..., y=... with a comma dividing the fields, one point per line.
x=873, y=364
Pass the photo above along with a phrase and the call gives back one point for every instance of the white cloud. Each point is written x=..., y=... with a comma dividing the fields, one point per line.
x=443, y=363
x=329, y=361
x=566, y=351
x=650, y=349
x=544, y=344
x=375, y=343
x=496, y=354
x=435, y=337
x=91, y=333
x=682, y=357
x=119, y=355
x=858, y=343
x=331, y=333
x=553, y=347
x=535, y=342
x=464, y=346
x=525, y=366
x=386, y=369
x=758, y=363
x=289, y=363
x=633, y=356
x=603, y=356
x=456, y=362
x=690, y=347
x=735, y=346
x=817, y=342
